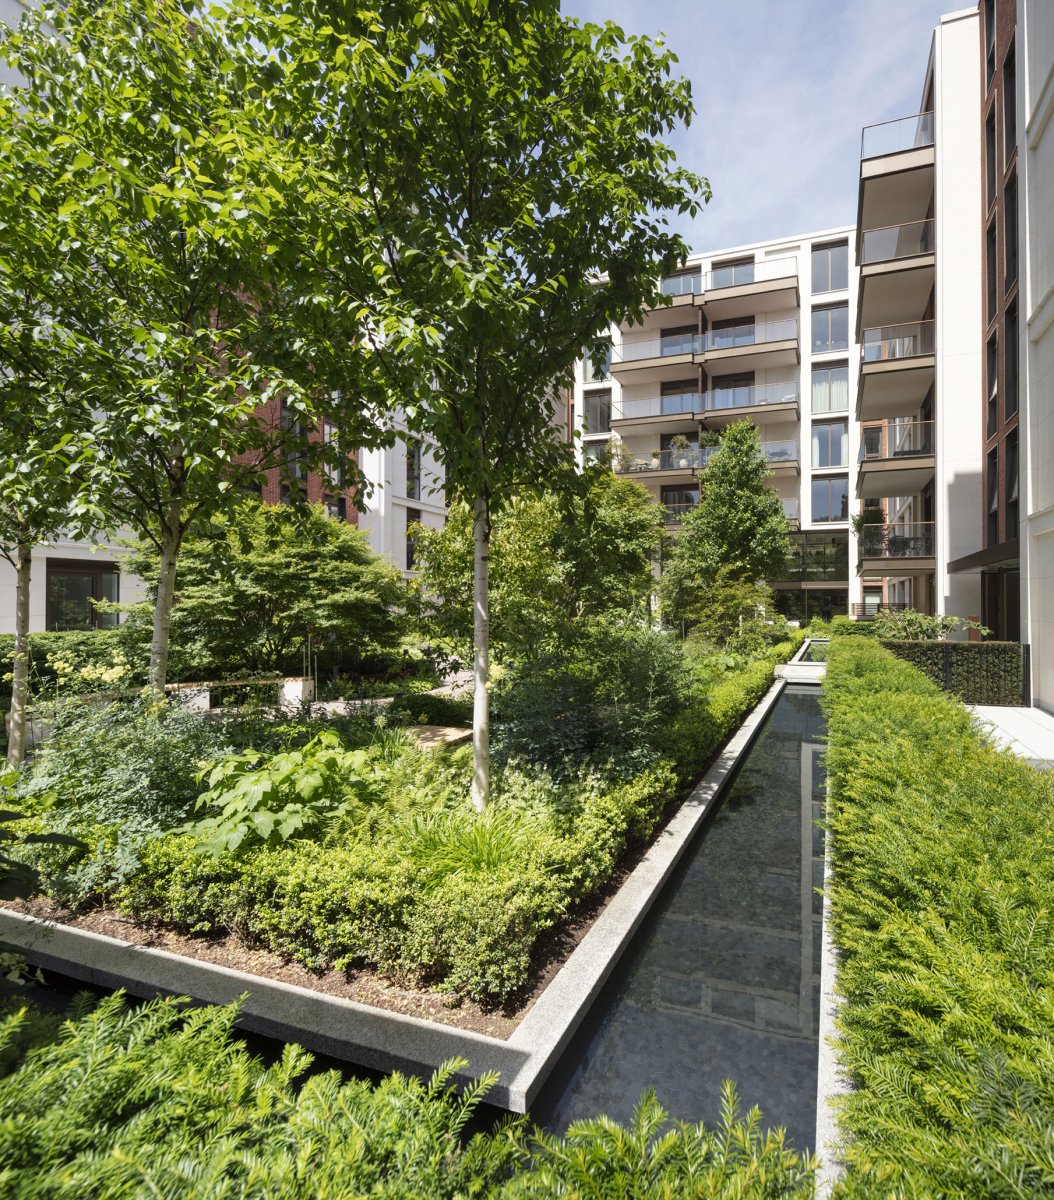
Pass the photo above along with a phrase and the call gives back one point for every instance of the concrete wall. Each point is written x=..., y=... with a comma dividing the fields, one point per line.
x=958, y=328
x=1035, y=79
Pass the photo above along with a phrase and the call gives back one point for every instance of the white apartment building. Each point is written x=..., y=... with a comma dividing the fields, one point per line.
x=405, y=488
x=764, y=333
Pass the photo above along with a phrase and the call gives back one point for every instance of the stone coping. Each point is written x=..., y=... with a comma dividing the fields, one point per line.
x=383, y=1040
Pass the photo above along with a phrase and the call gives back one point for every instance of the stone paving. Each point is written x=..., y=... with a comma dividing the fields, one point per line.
x=1026, y=732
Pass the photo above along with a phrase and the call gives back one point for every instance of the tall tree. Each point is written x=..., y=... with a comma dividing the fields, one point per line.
x=153, y=202
x=517, y=169
x=738, y=531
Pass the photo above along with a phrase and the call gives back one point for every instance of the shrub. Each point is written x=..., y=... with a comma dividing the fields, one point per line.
x=941, y=899
x=164, y=1101
x=977, y=672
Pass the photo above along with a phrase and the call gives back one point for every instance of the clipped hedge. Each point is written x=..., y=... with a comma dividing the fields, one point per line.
x=942, y=898
x=976, y=672
x=123, y=1104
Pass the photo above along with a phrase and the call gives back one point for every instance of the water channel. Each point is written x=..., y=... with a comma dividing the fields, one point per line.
x=723, y=980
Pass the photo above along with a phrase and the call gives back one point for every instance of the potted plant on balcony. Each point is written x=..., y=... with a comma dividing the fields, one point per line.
x=679, y=447
x=619, y=455
x=656, y=459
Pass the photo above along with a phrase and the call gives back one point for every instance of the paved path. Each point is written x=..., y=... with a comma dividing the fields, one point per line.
x=1026, y=732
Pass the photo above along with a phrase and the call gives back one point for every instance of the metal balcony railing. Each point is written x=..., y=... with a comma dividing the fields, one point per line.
x=750, y=335
x=885, y=342
x=868, y=611
x=737, y=274
x=683, y=404
x=688, y=284
x=661, y=347
x=891, y=137
x=720, y=398
x=896, y=241
x=898, y=539
x=896, y=439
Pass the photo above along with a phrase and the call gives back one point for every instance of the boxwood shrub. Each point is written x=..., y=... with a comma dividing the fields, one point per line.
x=942, y=898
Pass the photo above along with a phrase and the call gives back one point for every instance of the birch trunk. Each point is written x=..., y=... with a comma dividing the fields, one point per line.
x=481, y=658
x=166, y=590
x=16, y=737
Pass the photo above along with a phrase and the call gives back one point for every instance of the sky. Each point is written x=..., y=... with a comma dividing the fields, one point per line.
x=782, y=89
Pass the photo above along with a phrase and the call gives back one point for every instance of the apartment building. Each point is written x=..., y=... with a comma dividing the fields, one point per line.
x=405, y=488
x=763, y=333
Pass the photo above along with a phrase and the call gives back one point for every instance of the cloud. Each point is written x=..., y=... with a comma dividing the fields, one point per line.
x=782, y=89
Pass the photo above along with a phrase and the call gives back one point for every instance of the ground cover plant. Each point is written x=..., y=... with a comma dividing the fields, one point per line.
x=158, y=1101
x=943, y=890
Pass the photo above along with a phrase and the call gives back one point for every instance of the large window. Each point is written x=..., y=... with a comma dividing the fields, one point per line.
x=830, y=444
x=1009, y=103
x=830, y=328
x=830, y=388
x=413, y=517
x=1010, y=234
x=993, y=495
x=1012, y=488
x=990, y=270
x=817, y=558
x=735, y=331
x=679, y=397
x=1010, y=356
x=601, y=372
x=830, y=499
x=992, y=370
x=413, y=469
x=731, y=391
x=830, y=268
x=678, y=341
x=990, y=169
x=71, y=588
x=731, y=274
x=596, y=411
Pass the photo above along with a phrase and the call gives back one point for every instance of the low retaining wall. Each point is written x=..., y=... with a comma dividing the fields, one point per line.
x=383, y=1040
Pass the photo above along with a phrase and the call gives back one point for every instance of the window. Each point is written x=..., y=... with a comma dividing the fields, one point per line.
x=830, y=268
x=830, y=444
x=678, y=501
x=830, y=328
x=830, y=388
x=992, y=370
x=596, y=411
x=733, y=273
x=830, y=499
x=1010, y=354
x=1009, y=103
x=735, y=331
x=990, y=270
x=678, y=341
x=71, y=588
x=665, y=440
x=992, y=463
x=817, y=558
x=413, y=469
x=413, y=517
x=335, y=472
x=1010, y=234
x=1011, y=485
x=599, y=373
x=731, y=391
x=989, y=40
x=336, y=507
x=679, y=397
x=989, y=156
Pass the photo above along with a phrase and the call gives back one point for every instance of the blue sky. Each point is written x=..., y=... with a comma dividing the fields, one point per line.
x=782, y=89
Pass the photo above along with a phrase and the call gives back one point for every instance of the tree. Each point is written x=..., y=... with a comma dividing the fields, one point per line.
x=738, y=529
x=558, y=563
x=161, y=217
x=257, y=582
x=518, y=171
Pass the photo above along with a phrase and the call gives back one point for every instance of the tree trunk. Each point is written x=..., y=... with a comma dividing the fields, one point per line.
x=166, y=590
x=16, y=738
x=481, y=658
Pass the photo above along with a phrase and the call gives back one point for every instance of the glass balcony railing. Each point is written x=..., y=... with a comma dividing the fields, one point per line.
x=790, y=508
x=737, y=274
x=885, y=342
x=896, y=241
x=781, y=451
x=683, y=404
x=688, y=284
x=663, y=460
x=896, y=439
x=721, y=398
x=891, y=137
x=750, y=335
x=898, y=539
x=662, y=347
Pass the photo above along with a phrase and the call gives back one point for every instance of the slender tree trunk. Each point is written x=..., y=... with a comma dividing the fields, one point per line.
x=16, y=739
x=166, y=590
x=481, y=657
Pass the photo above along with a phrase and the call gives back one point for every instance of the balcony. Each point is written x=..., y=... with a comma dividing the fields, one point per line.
x=899, y=136
x=740, y=289
x=782, y=456
x=658, y=414
x=896, y=370
x=896, y=459
x=869, y=610
x=677, y=464
x=722, y=405
x=896, y=273
x=668, y=357
x=750, y=347
x=790, y=510
x=898, y=548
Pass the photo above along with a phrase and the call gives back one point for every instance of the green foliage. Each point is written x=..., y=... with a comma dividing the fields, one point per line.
x=736, y=616
x=161, y=1100
x=976, y=672
x=738, y=529
x=269, y=800
x=258, y=581
x=941, y=902
x=907, y=625
x=433, y=710
x=18, y=879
